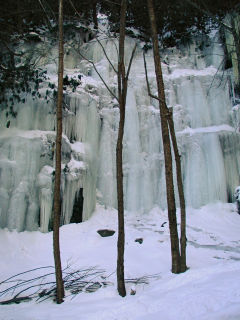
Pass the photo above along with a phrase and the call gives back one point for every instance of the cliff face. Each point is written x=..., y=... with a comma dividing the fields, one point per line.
x=200, y=95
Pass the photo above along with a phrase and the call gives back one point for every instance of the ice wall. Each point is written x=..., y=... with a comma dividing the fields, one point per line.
x=208, y=141
x=27, y=162
x=198, y=90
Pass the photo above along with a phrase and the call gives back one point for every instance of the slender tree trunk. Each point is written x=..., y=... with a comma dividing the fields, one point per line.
x=122, y=76
x=57, y=189
x=183, y=240
x=122, y=92
x=166, y=146
x=19, y=20
x=94, y=13
x=236, y=38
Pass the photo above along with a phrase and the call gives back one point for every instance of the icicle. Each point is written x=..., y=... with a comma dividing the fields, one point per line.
x=45, y=184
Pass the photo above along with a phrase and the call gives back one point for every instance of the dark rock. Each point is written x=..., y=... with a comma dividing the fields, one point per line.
x=106, y=232
x=77, y=207
x=133, y=292
x=139, y=240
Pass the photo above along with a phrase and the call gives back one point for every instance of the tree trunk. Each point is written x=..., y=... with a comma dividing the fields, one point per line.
x=183, y=240
x=57, y=189
x=166, y=146
x=94, y=14
x=236, y=38
x=19, y=19
x=122, y=92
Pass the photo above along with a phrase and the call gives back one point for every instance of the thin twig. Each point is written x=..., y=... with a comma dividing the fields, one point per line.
x=105, y=53
x=215, y=76
x=28, y=271
x=104, y=82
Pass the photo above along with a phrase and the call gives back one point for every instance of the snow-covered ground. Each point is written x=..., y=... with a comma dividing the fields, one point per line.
x=210, y=289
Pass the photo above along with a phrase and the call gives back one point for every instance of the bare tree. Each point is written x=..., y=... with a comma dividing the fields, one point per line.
x=183, y=239
x=122, y=94
x=57, y=187
x=167, y=124
x=122, y=76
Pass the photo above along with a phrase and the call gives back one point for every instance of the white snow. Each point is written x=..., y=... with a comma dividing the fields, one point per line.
x=191, y=131
x=78, y=147
x=209, y=290
x=192, y=72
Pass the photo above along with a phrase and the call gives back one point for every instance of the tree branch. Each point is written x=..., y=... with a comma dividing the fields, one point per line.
x=166, y=109
x=146, y=75
x=131, y=60
x=105, y=53
x=104, y=82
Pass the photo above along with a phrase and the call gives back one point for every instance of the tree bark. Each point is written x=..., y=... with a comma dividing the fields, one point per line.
x=183, y=239
x=166, y=145
x=94, y=14
x=122, y=93
x=57, y=188
x=236, y=38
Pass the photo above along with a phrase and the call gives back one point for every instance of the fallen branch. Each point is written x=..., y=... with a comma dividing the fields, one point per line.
x=43, y=287
x=16, y=300
x=143, y=280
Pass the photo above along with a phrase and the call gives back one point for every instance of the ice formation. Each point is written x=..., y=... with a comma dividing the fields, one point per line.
x=208, y=140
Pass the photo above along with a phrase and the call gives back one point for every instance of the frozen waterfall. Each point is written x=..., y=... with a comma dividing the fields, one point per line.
x=208, y=141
